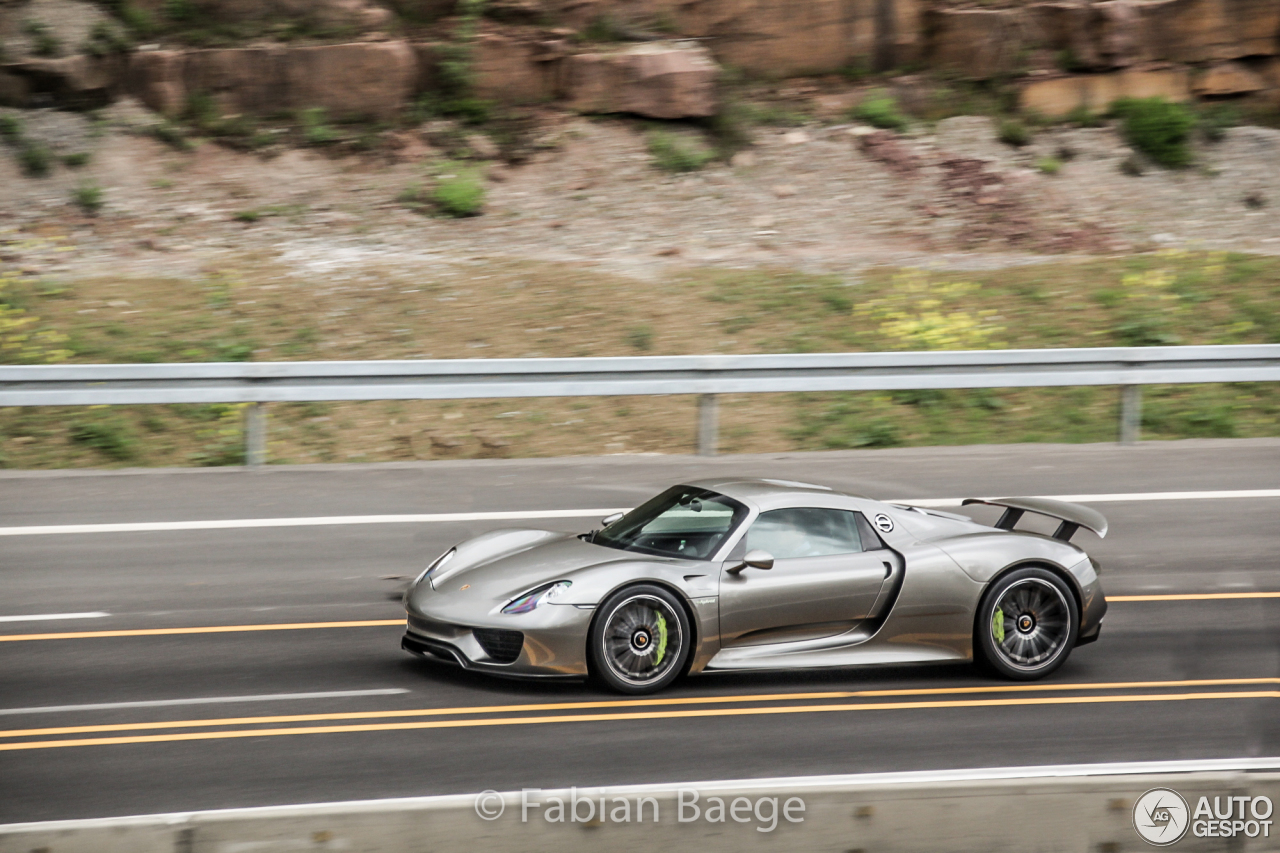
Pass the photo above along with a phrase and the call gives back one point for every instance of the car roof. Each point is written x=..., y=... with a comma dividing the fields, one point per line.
x=768, y=492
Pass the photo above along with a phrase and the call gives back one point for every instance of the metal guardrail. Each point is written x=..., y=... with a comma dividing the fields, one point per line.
x=704, y=375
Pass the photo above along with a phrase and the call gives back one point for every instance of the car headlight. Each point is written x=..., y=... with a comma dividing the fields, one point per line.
x=437, y=563
x=536, y=598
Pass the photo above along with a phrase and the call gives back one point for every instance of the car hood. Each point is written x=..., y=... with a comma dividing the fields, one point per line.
x=499, y=566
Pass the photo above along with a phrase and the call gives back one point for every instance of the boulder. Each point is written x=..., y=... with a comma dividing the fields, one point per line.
x=155, y=78
x=515, y=69
x=1227, y=78
x=75, y=82
x=665, y=81
x=246, y=80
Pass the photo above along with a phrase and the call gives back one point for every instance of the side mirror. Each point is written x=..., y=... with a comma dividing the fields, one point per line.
x=610, y=519
x=756, y=559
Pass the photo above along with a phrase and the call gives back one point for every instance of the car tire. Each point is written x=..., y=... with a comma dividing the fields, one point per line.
x=640, y=640
x=1027, y=624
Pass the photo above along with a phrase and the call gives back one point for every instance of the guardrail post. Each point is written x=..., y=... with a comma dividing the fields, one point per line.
x=255, y=434
x=708, y=424
x=1130, y=413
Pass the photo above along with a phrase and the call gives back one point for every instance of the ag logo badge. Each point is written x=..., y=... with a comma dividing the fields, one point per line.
x=884, y=522
x=1161, y=816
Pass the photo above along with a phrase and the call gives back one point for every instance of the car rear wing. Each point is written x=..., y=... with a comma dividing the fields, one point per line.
x=1072, y=516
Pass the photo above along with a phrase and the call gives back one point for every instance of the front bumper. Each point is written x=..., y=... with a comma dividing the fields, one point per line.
x=554, y=641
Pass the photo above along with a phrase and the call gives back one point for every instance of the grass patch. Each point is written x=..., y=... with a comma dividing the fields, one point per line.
x=674, y=154
x=1049, y=165
x=525, y=309
x=35, y=159
x=460, y=194
x=879, y=109
x=1013, y=132
x=88, y=197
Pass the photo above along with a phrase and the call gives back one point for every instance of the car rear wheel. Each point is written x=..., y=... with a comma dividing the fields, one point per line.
x=640, y=640
x=1027, y=624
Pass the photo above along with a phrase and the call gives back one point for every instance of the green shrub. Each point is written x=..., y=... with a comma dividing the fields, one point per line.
x=248, y=215
x=879, y=109
x=172, y=135
x=10, y=129
x=604, y=28
x=111, y=437
x=138, y=19
x=103, y=40
x=1158, y=128
x=314, y=129
x=76, y=160
x=34, y=158
x=461, y=194
x=43, y=42
x=1049, y=165
x=88, y=196
x=672, y=154
x=1014, y=132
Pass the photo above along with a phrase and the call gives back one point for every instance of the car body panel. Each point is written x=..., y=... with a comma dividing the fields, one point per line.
x=912, y=598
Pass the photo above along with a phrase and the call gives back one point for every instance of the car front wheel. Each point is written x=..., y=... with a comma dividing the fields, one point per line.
x=1027, y=624
x=640, y=640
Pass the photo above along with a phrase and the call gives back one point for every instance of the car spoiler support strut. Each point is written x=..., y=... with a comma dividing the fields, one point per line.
x=1072, y=516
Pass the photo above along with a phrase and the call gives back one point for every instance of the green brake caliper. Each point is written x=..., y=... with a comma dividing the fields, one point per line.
x=662, y=640
x=997, y=625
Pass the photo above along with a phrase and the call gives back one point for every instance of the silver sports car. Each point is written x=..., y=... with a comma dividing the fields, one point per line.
x=741, y=574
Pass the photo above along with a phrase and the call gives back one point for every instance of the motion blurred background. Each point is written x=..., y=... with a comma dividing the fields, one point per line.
x=213, y=180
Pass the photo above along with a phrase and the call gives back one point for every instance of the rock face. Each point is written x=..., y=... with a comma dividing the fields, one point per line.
x=374, y=79
x=1227, y=78
x=976, y=43
x=983, y=43
x=654, y=80
x=1057, y=96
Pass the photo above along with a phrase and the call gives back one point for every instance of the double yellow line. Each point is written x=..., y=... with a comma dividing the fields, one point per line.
x=640, y=709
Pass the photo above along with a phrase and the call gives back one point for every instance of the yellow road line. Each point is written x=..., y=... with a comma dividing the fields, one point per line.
x=1194, y=596
x=645, y=715
x=207, y=629
x=626, y=703
x=380, y=623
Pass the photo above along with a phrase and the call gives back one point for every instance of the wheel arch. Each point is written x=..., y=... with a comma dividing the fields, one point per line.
x=1051, y=567
x=685, y=605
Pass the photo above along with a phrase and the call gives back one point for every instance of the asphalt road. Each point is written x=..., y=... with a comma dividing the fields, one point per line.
x=1169, y=679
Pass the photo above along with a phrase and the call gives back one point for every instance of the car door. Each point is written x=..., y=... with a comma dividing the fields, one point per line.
x=822, y=583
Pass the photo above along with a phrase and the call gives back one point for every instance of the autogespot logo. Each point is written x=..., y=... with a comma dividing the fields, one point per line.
x=1161, y=817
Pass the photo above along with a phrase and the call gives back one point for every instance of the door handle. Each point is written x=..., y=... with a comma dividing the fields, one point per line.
x=888, y=570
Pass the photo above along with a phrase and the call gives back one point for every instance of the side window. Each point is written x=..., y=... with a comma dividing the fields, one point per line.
x=804, y=532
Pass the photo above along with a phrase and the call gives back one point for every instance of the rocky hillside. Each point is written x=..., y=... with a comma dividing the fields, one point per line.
x=359, y=55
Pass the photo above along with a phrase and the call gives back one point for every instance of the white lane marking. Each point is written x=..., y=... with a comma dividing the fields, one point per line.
x=815, y=784
x=534, y=514
x=322, y=521
x=1092, y=499
x=207, y=700
x=43, y=617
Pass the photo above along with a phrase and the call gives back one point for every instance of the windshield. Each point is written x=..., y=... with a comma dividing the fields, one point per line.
x=683, y=522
